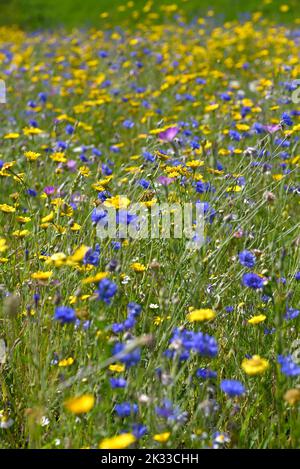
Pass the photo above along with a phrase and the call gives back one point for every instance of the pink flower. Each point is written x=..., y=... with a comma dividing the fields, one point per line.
x=164, y=180
x=272, y=128
x=169, y=134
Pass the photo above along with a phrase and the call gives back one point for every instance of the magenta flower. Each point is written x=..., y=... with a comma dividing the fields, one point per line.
x=164, y=180
x=71, y=165
x=272, y=128
x=49, y=190
x=169, y=134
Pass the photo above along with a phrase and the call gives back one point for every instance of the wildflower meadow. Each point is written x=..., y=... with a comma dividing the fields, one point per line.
x=185, y=334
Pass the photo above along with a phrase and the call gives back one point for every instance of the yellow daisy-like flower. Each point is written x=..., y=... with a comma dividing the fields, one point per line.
x=31, y=155
x=7, y=208
x=59, y=157
x=255, y=365
x=11, y=135
x=80, y=404
x=3, y=245
x=118, y=442
x=23, y=219
x=48, y=218
x=138, y=267
x=162, y=437
x=41, y=275
x=257, y=319
x=78, y=255
x=66, y=362
x=95, y=279
x=205, y=314
x=117, y=368
x=195, y=164
x=118, y=202
x=32, y=131
x=20, y=233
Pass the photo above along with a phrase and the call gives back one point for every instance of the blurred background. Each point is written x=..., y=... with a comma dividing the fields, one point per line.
x=37, y=14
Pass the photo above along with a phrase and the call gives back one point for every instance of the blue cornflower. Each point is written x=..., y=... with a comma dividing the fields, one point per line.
x=125, y=409
x=130, y=358
x=69, y=129
x=99, y=216
x=144, y=183
x=297, y=276
x=118, y=383
x=32, y=192
x=287, y=119
x=139, y=430
x=106, y=290
x=92, y=257
x=206, y=373
x=133, y=309
x=291, y=313
x=247, y=259
x=103, y=195
x=128, y=124
x=64, y=314
x=232, y=387
x=252, y=280
x=288, y=366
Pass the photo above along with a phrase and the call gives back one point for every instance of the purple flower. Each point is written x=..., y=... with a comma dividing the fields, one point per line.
x=252, y=280
x=272, y=128
x=49, y=190
x=232, y=387
x=247, y=259
x=164, y=180
x=169, y=134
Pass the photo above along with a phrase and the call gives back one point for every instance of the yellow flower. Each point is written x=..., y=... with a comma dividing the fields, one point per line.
x=118, y=368
x=57, y=259
x=257, y=319
x=255, y=365
x=3, y=245
x=85, y=171
x=48, y=218
x=32, y=131
x=75, y=227
x=162, y=437
x=137, y=267
x=194, y=164
x=292, y=396
x=80, y=404
x=31, y=155
x=23, y=219
x=7, y=208
x=118, y=442
x=118, y=202
x=96, y=278
x=11, y=135
x=200, y=315
x=66, y=362
x=41, y=275
x=21, y=233
x=59, y=157
x=78, y=255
